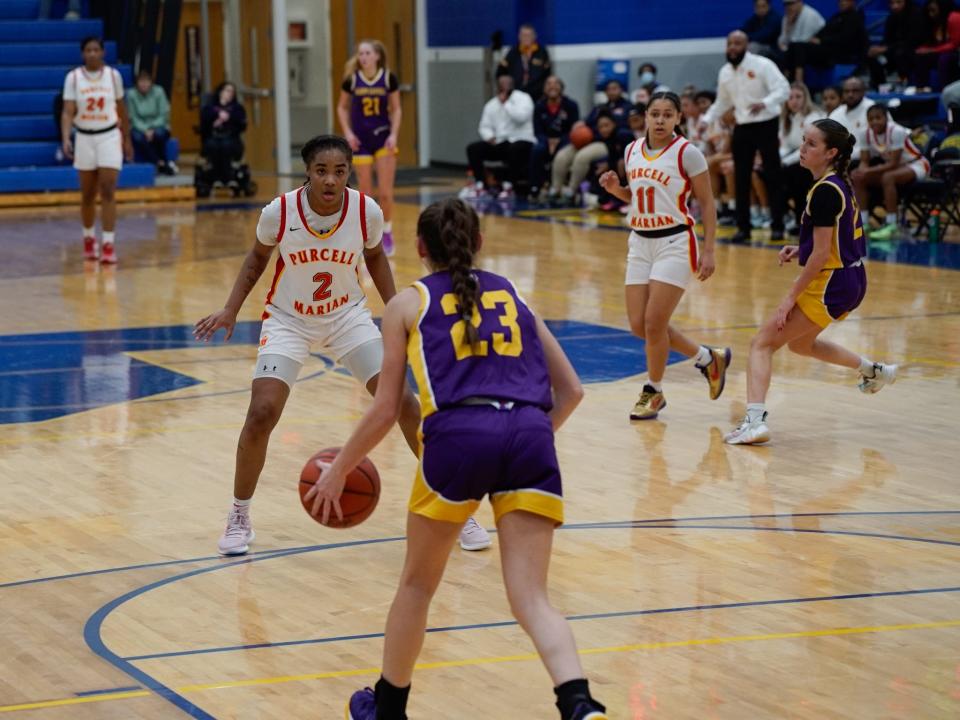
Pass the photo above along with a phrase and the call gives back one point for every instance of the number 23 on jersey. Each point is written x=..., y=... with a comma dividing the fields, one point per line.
x=489, y=301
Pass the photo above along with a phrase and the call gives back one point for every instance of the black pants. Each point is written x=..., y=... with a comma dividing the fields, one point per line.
x=221, y=151
x=797, y=181
x=899, y=62
x=514, y=155
x=540, y=160
x=748, y=139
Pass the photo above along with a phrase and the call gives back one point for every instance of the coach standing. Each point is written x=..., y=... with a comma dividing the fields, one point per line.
x=756, y=90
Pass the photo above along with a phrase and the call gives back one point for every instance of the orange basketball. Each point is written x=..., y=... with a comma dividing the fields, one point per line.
x=360, y=493
x=580, y=135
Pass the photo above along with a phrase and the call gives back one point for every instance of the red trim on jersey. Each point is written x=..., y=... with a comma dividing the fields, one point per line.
x=363, y=218
x=692, y=249
x=343, y=215
x=283, y=217
x=626, y=155
x=682, y=199
x=273, y=285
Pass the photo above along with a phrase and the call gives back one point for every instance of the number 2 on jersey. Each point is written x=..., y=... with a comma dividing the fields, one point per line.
x=94, y=103
x=645, y=208
x=489, y=300
x=322, y=292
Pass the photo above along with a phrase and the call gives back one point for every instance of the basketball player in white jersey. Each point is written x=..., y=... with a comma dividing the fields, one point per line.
x=662, y=169
x=900, y=163
x=93, y=106
x=321, y=232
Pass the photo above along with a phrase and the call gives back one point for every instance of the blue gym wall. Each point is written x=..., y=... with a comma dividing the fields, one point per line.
x=457, y=23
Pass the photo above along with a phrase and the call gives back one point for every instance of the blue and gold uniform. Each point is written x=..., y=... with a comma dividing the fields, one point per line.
x=485, y=427
x=840, y=286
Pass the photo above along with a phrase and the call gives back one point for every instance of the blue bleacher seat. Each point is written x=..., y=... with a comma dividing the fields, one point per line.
x=818, y=78
x=65, y=178
x=28, y=127
x=22, y=154
x=59, y=53
x=49, y=76
x=47, y=31
x=19, y=9
x=33, y=102
x=35, y=56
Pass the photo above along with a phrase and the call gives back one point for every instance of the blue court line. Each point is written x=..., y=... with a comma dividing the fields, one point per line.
x=94, y=640
x=622, y=523
x=108, y=691
x=572, y=618
x=92, y=629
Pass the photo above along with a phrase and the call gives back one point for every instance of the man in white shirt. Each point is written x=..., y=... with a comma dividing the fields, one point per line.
x=852, y=114
x=800, y=23
x=506, y=129
x=756, y=90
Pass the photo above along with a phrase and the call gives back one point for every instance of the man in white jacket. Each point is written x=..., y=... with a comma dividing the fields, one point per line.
x=506, y=129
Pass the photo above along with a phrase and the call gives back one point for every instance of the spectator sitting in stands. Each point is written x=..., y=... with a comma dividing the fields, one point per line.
x=798, y=114
x=705, y=98
x=553, y=116
x=888, y=159
x=938, y=51
x=637, y=120
x=902, y=32
x=527, y=63
x=719, y=155
x=641, y=95
x=222, y=121
x=647, y=75
x=691, y=115
x=763, y=28
x=149, y=112
x=571, y=165
x=800, y=23
x=830, y=98
x=616, y=140
x=843, y=39
x=506, y=129
x=852, y=114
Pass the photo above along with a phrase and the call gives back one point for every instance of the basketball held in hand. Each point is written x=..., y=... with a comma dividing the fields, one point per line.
x=360, y=492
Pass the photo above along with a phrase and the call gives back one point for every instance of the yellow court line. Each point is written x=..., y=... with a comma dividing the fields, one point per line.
x=469, y=662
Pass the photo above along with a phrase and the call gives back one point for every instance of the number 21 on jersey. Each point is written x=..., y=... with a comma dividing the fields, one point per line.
x=489, y=301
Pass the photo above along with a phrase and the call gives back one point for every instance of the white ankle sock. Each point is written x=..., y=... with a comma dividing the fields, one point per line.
x=242, y=506
x=703, y=357
x=891, y=219
x=658, y=386
x=865, y=217
x=866, y=367
x=89, y=232
x=387, y=226
x=108, y=237
x=756, y=411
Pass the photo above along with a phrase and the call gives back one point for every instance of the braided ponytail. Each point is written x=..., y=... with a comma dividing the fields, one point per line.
x=450, y=229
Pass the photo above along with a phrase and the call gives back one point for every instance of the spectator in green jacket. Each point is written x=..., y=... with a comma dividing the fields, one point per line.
x=149, y=112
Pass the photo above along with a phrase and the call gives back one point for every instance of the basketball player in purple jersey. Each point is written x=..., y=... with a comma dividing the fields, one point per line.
x=831, y=284
x=369, y=112
x=494, y=386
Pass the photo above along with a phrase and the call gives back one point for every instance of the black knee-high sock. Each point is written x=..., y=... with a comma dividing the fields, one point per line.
x=391, y=700
x=572, y=692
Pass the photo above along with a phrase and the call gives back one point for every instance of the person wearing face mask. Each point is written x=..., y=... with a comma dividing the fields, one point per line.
x=527, y=62
x=648, y=75
x=755, y=89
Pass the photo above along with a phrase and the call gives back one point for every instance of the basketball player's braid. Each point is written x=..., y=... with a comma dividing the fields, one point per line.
x=843, y=159
x=455, y=234
x=836, y=136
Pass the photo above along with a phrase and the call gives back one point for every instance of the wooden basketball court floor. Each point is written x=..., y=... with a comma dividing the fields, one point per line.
x=817, y=577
